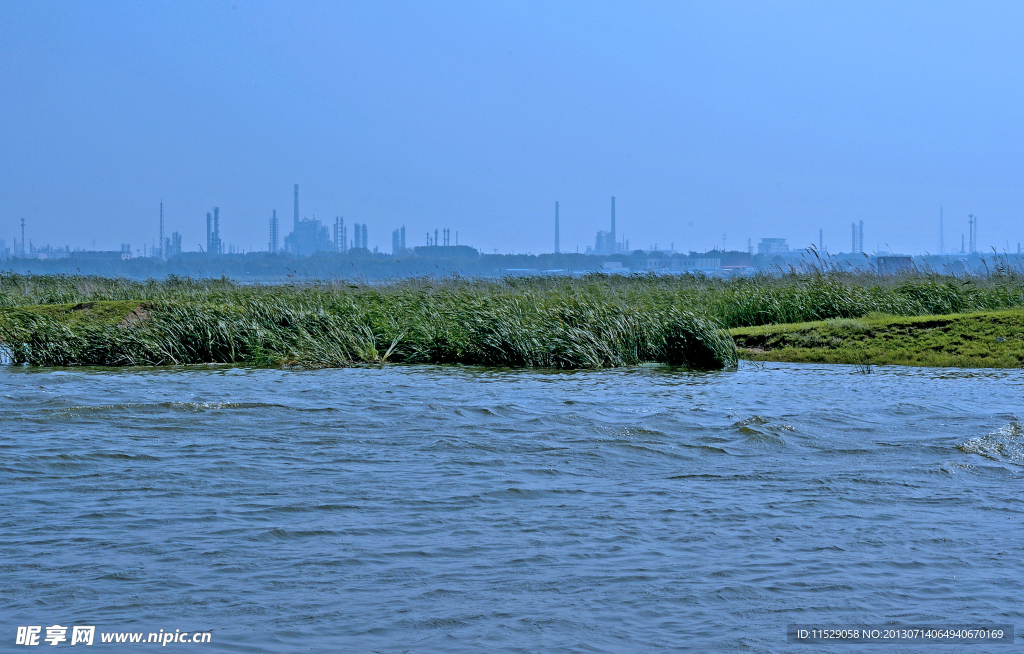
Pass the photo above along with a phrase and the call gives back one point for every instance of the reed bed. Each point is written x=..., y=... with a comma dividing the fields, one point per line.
x=592, y=321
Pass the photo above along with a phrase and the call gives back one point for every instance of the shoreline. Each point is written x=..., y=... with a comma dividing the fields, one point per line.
x=590, y=322
x=986, y=339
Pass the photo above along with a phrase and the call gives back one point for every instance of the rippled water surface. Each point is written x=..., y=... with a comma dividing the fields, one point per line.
x=443, y=509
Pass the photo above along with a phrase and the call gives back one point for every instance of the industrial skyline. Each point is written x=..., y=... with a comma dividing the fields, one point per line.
x=767, y=120
x=309, y=235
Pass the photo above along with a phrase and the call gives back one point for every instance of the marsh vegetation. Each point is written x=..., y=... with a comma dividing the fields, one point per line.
x=558, y=322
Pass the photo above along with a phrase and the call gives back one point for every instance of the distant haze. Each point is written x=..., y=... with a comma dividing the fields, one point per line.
x=704, y=119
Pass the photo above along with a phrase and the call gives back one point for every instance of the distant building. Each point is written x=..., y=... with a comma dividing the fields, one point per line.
x=274, y=244
x=340, y=234
x=398, y=241
x=308, y=236
x=100, y=255
x=771, y=246
x=696, y=263
x=174, y=244
x=894, y=265
x=446, y=252
x=604, y=243
x=857, y=239
x=360, y=241
x=213, y=243
x=46, y=252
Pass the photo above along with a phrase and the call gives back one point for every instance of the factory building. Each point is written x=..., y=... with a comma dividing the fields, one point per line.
x=772, y=246
x=308, y=236
x=398, y=241
x=213, y=243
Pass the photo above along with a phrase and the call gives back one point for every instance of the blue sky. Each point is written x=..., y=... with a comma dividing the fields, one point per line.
x=704, y=119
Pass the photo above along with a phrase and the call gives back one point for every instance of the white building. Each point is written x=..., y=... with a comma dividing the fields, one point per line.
x=771, y=246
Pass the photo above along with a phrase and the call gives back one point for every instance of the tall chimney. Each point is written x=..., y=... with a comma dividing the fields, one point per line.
x=614, y=245
x=272, y=247
x=556, y=227
x=296, y=208
x=163, y=255
x=216, y=230
x=942, y=236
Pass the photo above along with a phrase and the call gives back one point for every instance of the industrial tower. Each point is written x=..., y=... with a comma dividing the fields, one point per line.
x=275, y=233
x=557, y=250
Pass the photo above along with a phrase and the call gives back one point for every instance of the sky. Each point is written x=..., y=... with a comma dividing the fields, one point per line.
x=710, y=122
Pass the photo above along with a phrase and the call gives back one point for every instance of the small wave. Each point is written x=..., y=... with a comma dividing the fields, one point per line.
x=755, y=437
x=127, y=575
x=753, y=420
x=1005, y=445
x=531, y=493
x=285, y=534
x=749, y=427
x=175, y=407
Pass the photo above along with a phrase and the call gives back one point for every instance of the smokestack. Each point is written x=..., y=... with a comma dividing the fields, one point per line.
x=216, y=230
x=614, y=245
x=556, y=228
x=209, y=232
x=858, y=238
x=942, y=240
x=163, y=255
x=296, y=207
x=272, y=246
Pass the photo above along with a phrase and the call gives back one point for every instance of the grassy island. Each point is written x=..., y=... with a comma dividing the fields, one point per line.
x=988, y=339
x=592, y=321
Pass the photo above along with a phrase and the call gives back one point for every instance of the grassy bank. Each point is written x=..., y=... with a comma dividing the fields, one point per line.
x=990, y=339
x=560, y=322
x=506, y=330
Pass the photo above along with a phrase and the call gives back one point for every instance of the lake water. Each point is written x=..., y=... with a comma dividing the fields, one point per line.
x=432, y=509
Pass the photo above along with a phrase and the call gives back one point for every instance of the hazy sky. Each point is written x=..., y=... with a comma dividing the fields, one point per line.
x=704, y=119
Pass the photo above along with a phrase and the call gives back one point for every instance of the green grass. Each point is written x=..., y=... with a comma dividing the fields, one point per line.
x=109, y=312
x=555, y=322
x=425, y=324
x=989, y=339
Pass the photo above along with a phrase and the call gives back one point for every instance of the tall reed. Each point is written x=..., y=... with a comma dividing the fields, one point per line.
x=557, y=322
